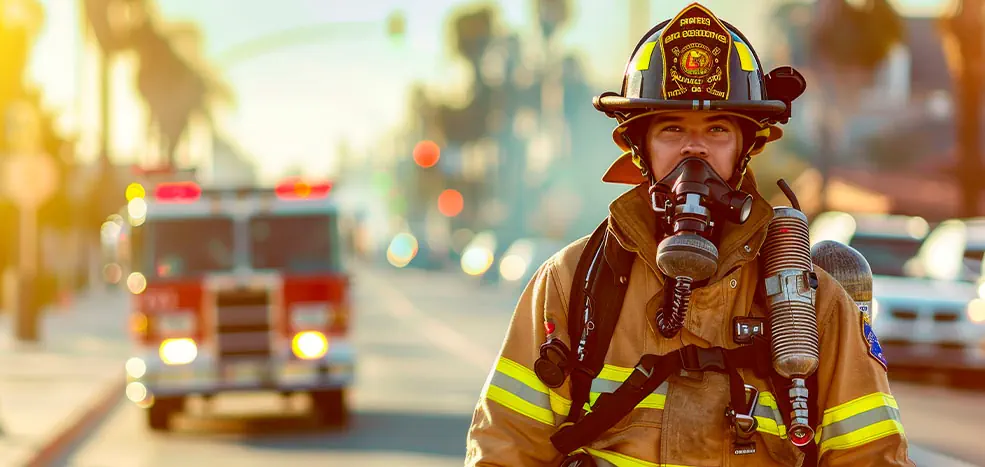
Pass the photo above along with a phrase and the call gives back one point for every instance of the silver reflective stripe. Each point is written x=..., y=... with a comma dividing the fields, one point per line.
x=607, y=385
x=769, y=412
x=859, y=421
x=518, y=389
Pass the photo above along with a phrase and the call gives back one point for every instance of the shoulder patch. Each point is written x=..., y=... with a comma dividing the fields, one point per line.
x=872, y=342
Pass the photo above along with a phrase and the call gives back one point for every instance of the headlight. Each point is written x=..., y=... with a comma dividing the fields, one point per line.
x=476, y=261
x=178, y=351
x=174, y=324
x=310, y=315
x=309, y=345
x=976, y=310
x=512, y=267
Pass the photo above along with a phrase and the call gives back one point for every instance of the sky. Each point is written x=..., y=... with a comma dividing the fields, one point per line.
x=295, y=105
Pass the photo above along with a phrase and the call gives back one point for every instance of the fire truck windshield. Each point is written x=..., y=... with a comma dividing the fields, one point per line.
x=301, y=243
x=188, y=247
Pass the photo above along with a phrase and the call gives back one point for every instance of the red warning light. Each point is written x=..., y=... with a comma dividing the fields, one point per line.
x=450, y=203
x=177, y=192
x=298, y=189
x=427, y=153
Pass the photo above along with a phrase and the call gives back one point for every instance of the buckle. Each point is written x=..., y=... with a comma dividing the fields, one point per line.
x=640, y=375
x=744, y=425
x=701, y=359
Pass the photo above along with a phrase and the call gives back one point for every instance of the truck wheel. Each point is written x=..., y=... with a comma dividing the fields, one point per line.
x=330, y=407
x=160, y=414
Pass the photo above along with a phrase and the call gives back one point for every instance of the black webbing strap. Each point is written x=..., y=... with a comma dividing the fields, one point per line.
x=579, y=312
x=609, y=408
x=649, y=374
x=606, y=269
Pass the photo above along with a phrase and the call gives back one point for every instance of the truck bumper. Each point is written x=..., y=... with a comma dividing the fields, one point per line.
x=148, y=376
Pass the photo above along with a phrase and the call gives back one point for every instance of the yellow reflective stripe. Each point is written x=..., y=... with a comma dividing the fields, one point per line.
x=620, y=460
x=521, y=373
x=863, y=435
x=519, y=405
x=857, y=406
x=615, y=459
x=643, y=63
x=652, y=401
x=859, y=421
x=745, y=57
x=769, y=417
x=559, y=405
x=615, y=373
x=611, y=376
x=517, y=388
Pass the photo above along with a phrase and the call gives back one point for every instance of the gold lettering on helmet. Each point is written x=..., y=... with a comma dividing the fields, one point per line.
x=695, y=51
x=695, y=20
x=704, y=33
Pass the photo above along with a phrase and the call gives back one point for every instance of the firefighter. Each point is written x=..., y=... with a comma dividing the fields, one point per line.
x=694, y=103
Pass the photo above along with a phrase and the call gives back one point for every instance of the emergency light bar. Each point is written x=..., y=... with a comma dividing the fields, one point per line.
x=178, y=192
x=296, y=189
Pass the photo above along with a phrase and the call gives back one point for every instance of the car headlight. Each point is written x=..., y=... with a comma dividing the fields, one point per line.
x=976, y=310
x=310, y=315
x=512, y=267
x=178, y=351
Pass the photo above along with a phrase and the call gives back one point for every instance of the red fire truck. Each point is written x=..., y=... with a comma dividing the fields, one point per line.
x=238, y=290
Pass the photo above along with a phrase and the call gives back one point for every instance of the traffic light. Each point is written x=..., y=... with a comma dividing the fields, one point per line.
x=450, y=203
x=396, y=25
x=135, y=190
x=427, y=153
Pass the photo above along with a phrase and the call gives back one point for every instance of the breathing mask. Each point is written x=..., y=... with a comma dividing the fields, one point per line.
x=691, y=201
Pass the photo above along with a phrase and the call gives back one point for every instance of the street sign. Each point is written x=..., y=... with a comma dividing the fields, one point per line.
x=29, y=180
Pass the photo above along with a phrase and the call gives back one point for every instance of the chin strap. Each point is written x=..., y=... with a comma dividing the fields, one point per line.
x=740, y=171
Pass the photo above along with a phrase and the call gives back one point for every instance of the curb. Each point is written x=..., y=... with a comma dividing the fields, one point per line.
x=70, y=434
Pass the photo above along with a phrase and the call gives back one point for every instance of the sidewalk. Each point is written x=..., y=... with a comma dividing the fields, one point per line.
x=47, y=389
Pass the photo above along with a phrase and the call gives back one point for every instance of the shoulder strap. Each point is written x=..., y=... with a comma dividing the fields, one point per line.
x=599, y=288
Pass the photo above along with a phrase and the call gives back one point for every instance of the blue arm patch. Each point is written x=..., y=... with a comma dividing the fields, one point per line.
x=872, y=342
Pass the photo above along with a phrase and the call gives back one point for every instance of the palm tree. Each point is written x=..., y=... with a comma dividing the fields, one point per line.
x=175, y=86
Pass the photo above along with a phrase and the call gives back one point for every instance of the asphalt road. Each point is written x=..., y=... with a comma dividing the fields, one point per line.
x=426, y=341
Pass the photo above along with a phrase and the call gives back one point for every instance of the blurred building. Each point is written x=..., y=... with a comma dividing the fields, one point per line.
x=897, y=143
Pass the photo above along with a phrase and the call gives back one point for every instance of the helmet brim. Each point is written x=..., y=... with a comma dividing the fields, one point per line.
x=762, y=111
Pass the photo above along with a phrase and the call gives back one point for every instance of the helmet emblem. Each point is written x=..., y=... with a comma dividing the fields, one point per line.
x=696, y=61
x=695, y=48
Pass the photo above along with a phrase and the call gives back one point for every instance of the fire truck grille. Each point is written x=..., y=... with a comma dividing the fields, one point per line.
x=243, y=324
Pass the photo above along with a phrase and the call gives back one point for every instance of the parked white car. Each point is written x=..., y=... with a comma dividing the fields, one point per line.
x=926, y=310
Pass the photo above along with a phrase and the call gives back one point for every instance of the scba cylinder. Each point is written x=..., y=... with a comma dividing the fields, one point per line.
x=790, y=292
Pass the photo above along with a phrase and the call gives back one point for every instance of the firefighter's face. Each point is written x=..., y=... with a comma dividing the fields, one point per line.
x=712, y=136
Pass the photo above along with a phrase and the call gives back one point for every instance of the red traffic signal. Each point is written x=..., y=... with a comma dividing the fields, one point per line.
x=450, y=203
x=426, y=153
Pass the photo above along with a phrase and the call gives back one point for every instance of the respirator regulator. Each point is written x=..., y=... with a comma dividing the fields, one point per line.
x=688, y=202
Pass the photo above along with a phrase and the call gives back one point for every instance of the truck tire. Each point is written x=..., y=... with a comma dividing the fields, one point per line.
x=329, y=407
x=160, y=414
